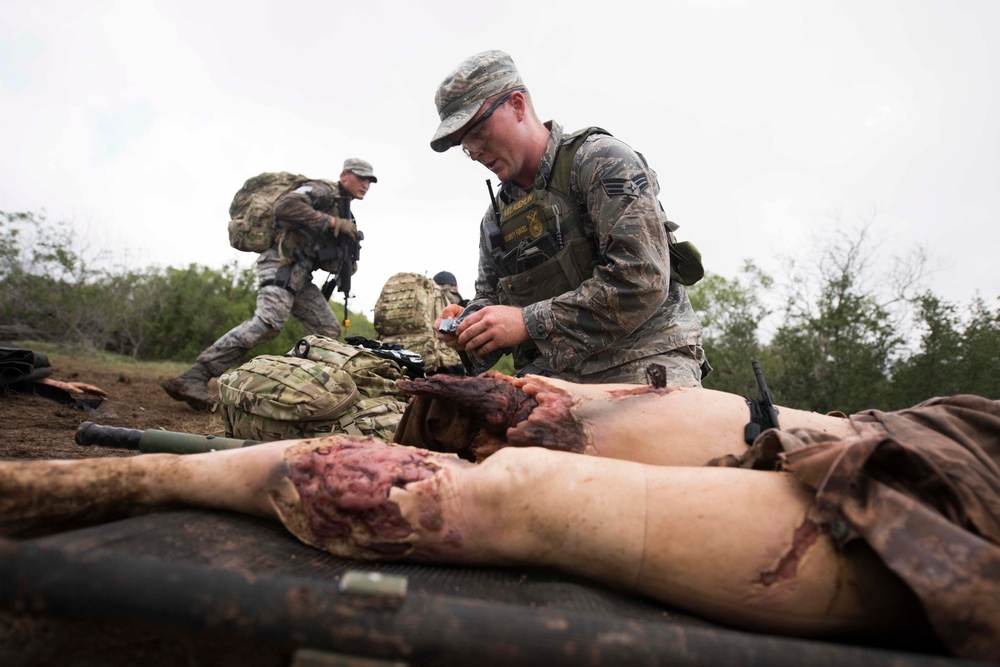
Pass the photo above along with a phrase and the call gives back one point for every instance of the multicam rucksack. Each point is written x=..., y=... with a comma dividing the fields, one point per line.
x=251, y=215
x=405, y=312
x=321, y=387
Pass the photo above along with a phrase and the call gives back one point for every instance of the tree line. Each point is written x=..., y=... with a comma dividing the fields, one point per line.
x=844, y=329
x=848, y=329
x=52, y=290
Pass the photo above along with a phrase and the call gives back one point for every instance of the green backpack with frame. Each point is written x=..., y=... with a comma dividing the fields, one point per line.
x=251, y=215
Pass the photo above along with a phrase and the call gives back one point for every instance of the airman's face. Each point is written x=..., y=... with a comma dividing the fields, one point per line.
x=356, y=186
x=491, y=137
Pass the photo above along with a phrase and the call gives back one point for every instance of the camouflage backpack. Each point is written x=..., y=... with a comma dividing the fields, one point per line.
x=321, y=387
x=251, y=215
x=405, y=312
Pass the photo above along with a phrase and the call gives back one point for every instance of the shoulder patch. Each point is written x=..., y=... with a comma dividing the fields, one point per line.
x=631, y=187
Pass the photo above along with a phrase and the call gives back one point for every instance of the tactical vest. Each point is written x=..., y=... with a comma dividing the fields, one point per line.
x=294, y=243
x=546, y=244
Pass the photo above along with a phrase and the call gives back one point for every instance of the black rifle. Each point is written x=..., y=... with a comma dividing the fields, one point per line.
x=346, y=251
x=412, y=363
x=766, y=402
x=763, y=414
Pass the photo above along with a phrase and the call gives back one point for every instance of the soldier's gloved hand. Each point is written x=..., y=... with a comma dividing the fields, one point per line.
x=354, y=268
x=343, y=226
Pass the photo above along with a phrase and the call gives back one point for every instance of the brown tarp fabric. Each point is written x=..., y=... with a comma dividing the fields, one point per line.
x=922, y=487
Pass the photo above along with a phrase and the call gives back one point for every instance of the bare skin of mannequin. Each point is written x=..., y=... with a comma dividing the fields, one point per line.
x=670, y=426
x=732, y=545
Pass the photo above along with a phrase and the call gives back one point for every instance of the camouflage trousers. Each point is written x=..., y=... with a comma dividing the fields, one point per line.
x=274, y=304
x=685, y=367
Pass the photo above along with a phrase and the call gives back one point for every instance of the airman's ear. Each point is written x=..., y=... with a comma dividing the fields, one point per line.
x=519, y=104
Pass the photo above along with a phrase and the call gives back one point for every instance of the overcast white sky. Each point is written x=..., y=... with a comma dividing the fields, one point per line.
x=137, y=120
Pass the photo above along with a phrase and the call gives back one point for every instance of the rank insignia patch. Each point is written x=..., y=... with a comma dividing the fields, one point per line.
x=631, y=187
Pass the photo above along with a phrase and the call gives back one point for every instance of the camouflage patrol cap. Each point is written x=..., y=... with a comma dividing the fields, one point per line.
x=361, y=168
x=463, y=91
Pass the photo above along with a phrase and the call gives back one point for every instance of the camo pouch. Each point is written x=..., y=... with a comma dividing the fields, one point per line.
x=321, y=387
x=374, y=376
x=685, y=263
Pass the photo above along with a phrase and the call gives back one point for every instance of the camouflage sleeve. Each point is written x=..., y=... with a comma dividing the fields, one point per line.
x=632, y=279
x=306, y=206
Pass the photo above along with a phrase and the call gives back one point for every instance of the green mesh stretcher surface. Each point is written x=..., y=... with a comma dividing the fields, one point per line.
x=200, y=587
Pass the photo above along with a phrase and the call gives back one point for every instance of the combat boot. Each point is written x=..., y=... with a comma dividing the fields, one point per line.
x=191, y=386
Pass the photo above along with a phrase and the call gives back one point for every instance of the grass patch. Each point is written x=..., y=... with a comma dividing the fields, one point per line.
x=57, y=351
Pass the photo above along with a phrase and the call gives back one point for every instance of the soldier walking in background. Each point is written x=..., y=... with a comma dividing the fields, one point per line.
x=310, y=218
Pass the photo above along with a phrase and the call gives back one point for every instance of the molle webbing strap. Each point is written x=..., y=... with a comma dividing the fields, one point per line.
x=562, y=167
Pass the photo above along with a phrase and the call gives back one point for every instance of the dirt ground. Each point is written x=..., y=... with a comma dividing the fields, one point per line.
x=33, y=427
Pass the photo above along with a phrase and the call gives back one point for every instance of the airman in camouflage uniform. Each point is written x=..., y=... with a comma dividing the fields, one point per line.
x=284, y=272
x=621, y=310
